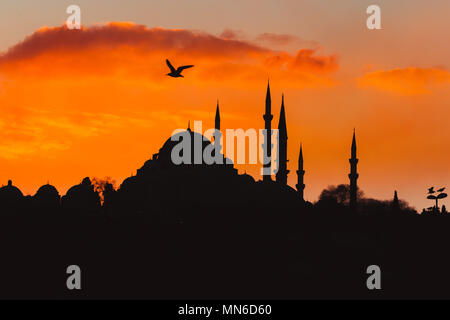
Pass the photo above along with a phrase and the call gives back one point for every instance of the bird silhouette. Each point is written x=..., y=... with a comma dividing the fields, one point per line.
x=176, y=73
x=431, y=190
x=441, y=189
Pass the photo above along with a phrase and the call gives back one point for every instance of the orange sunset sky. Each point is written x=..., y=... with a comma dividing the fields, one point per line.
x=96, y=102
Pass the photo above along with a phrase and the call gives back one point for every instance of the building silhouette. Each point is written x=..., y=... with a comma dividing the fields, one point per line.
x=160, y=169
x=353, y=176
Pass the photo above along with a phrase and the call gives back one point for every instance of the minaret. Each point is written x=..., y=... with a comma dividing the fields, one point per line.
x=300, y=174
x=395, y=203
x=217, y=134
x=282, y=172
x=217, y=121
x=268, y=137
x=353, y=174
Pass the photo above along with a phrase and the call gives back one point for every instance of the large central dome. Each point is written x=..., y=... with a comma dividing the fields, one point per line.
x=192, y=140
x=171, y=155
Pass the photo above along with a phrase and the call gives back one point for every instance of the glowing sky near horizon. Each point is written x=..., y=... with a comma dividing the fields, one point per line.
x=96, y=102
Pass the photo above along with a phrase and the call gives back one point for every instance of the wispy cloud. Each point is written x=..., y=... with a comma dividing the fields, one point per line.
x=406, y=81
x=39, y=131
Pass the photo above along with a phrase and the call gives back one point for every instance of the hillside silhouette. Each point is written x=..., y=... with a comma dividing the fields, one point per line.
x=206, y=231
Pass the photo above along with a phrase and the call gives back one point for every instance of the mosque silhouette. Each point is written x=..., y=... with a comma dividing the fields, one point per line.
x=205, y=231
x=160, y=174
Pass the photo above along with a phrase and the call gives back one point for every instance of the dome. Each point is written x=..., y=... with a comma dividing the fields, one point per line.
x=165, y=153
x=47, y=197
x=10, y=193
x=47, y=190
x=82, y=197
x=84, y=187
x=182, y=141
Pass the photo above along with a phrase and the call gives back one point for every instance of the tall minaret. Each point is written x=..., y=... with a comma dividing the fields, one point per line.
x=217, y=134
x=300, y=174
x=353, y=174
x=282, y=172
x=268, y=137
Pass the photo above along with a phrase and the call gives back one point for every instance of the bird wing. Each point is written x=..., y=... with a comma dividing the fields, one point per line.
x=184, y=67
x=441, y=189
x=172, y=69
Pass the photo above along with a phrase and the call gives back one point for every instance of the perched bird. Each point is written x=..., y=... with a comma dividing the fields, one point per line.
x=176, y=73
x=441, y=189
x=431, y=190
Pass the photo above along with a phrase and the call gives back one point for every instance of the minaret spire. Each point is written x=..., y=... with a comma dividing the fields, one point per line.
x=300, y=156
x=217, y=120
x=268, y=99
x=282, y=172
x=353, y=176
x=217, y=133
x=354, y=144
x=268, y=137
x=282, y=122
x=300, y=175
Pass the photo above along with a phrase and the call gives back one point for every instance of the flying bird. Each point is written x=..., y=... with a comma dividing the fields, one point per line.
x=176, y=73
x=431, y=190
x=441, y=189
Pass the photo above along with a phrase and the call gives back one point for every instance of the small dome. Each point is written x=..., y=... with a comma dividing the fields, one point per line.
x=47, y=197
x=10, y=193
x=47, y=190
x=83, y=187
x=82, y=197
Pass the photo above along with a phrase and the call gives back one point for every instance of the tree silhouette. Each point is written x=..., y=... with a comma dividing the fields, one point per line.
x=103, y=185
x=339, y=194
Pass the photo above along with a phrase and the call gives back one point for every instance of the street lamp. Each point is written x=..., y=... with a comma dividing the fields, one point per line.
x=436, y=195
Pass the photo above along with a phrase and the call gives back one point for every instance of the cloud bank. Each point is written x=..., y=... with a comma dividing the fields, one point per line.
x=136, y=50
x=406, y=81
